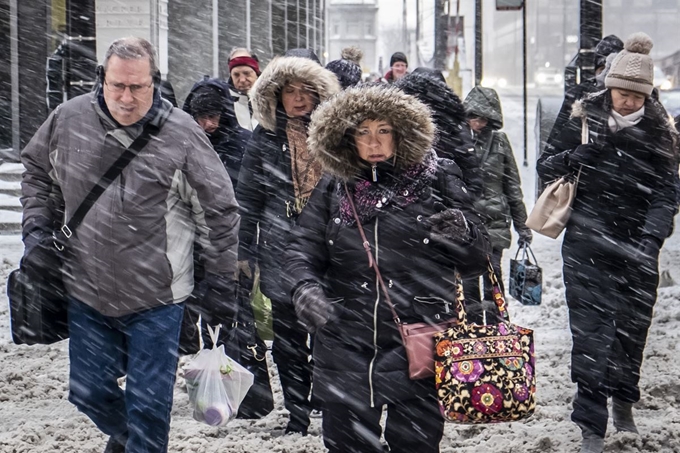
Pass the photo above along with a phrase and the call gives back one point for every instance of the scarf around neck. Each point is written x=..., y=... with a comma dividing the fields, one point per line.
x=306, y=171
x=618, y=122
x=400, y=189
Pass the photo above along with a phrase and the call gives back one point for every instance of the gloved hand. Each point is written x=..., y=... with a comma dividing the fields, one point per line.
x=41, y=258
x=218, y=304
x=588, y=154
x=649, y=247
x=449, y=225
x=312, y=306
x=525, y=237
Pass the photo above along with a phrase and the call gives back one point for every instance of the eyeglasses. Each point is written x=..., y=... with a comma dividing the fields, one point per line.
x=135, y=90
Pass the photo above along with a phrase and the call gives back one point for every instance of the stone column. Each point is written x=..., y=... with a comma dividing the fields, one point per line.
x=143, y=18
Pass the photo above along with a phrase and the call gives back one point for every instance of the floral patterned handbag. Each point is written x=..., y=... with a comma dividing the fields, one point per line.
x=485, y=373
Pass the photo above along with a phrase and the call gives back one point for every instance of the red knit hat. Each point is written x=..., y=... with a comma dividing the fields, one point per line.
x=244, y=61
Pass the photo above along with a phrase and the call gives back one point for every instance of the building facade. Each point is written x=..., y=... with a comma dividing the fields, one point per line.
x=354, y=23
x=193, y=38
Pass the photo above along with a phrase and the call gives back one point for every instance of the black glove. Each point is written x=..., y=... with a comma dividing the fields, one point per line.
x=312, y=306
x=449, y=225
x=525, y=237
x=41, y=259
x=649, y=247
x=218, y=304
x=588, y=155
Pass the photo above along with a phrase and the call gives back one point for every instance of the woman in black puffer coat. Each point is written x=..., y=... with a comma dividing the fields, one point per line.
x=420, y=224
x=276, y=179
x=622, y=213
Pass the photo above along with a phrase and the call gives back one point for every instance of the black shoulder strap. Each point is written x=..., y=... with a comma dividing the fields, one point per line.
x=64, y=234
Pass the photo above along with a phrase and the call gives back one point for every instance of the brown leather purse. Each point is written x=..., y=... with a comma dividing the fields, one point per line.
x=417, y=337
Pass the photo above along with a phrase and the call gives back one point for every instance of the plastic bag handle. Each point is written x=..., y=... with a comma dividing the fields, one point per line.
x=214, y=334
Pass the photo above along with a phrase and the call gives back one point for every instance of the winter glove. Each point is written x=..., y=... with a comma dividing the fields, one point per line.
x=588, y=155
x=525, y=237
x=41, y=260
x=218, y=304
x=449, y=226
x=312, y=306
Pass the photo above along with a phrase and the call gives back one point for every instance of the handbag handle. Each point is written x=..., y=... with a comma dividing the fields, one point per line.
x=526, y=252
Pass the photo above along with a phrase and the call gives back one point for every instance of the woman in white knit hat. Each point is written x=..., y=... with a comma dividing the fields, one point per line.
x=622, y=214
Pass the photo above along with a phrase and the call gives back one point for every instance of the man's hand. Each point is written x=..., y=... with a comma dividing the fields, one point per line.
x=218, y=304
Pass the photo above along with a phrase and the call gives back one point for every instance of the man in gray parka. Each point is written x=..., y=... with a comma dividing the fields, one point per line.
x=129, y=266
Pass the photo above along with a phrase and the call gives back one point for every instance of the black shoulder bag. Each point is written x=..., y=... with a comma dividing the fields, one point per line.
x=39, y=307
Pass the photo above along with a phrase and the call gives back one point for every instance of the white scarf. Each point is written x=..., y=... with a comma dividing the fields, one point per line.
x=618, y=122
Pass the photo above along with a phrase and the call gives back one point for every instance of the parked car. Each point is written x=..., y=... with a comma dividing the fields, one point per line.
x=671, y=100
x=549, y=77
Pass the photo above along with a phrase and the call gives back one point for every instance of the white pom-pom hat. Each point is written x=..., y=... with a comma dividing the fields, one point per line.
x=633, y=68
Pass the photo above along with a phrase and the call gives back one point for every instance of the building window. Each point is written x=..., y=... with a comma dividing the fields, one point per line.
x=368, y=27
x=353, y=28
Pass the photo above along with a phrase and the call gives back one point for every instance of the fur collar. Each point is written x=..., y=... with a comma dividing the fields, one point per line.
x=264, y=94
x=330, y=132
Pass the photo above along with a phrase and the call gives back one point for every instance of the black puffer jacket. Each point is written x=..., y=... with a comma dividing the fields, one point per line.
x=265, y=190
x=359, y=354
x=229, y=140
x=453, y=139
x=631, y=191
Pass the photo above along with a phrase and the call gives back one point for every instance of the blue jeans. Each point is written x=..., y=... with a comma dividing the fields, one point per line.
x=142, y=345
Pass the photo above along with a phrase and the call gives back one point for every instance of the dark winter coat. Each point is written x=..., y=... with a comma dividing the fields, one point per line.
x=453, y=140
x=502, y=201
x=265, y=190
x=229, y=140
x=631, y=191
x=358, y=355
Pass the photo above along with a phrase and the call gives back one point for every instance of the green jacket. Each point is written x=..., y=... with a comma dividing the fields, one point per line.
x=502, y=200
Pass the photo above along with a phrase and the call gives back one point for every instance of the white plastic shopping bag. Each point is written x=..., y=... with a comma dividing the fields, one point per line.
x=216, y=384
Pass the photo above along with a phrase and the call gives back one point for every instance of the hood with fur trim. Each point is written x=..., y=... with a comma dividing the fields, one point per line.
x=330, y=131
x=265, y=93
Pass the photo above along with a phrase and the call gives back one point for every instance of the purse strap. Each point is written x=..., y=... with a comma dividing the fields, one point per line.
x=497, y=293
x=62, y=235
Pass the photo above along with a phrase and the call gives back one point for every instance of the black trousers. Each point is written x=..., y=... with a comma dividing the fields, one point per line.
x=475, y=306
x=412, y=426
x=611, y=295
x=291, y=354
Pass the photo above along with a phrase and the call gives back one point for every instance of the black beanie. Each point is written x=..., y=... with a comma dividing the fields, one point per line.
x=398, y=56
x=206, y=101
x=607, y=45
x=348, y=68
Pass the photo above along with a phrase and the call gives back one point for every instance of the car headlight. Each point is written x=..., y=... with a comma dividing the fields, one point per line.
x=558, y=78
x=541, y=78
x=666, y=85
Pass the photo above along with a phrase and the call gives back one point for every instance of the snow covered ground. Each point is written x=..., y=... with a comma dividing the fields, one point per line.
x=35, y=415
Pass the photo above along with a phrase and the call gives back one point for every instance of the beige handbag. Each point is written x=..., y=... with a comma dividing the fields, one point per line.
x=553, y=208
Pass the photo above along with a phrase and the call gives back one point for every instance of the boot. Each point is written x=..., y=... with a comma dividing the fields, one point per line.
x=591, y=443
x=622, y=413
x=113, y=446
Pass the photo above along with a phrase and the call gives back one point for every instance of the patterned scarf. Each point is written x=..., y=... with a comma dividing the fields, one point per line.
x=402, y=190
x=306, y=171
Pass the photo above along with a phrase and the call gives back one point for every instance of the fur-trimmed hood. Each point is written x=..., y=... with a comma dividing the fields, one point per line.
x=265, y=93
x=600, y=101
x=333, y=122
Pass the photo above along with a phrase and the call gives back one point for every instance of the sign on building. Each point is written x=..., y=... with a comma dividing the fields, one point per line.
x=509, y=5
